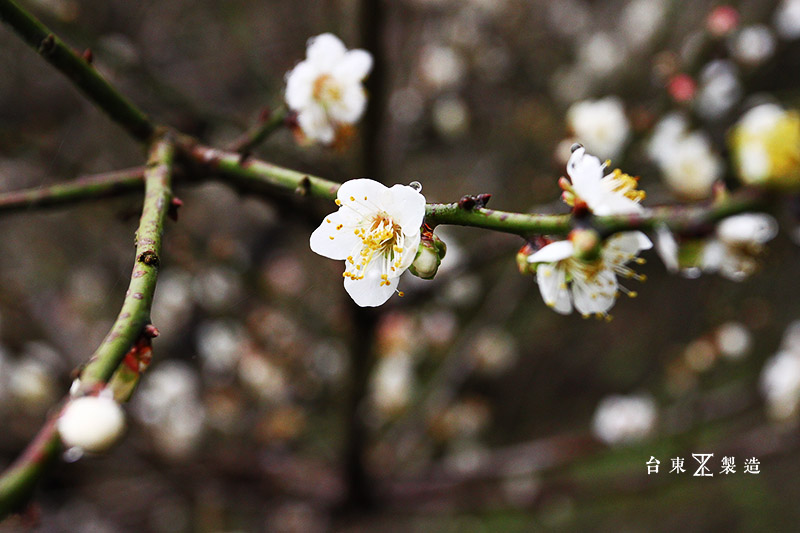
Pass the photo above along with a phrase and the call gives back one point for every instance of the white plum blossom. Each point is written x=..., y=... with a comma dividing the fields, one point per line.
x=624, y=419
x=590, y=286
x=611, y=194
x=325, y=89
x=738, y=240
x=601, y=125
x=376, y=231
x=91, y=423
x=689, y=165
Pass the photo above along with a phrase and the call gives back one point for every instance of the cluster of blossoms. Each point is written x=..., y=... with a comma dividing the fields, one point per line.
x=568, y=273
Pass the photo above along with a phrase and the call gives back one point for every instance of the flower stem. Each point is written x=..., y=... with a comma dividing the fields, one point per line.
x=77, y=69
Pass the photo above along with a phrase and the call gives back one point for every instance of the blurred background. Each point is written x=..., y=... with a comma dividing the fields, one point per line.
x=272, y=404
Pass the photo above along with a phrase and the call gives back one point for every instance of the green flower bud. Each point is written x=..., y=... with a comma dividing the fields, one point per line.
x=429, y=256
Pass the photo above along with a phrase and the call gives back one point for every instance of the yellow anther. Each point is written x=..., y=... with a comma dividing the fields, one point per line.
x=352, y=199
x=401, y=294
x=340, y=226
x=338, y=202
x=328, y=220
x=633, y=294
x=331, y=237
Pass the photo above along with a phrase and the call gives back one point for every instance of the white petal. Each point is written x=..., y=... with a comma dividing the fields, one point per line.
x=316, y=125
x=364, y=195
x=585, y=172
x=300, y=85
x=334, y=243
x=325, y=50
x=595, y=295
x=406, y=206
x=667, y=248
x=606, y=202
x=368, y=292
x=355, y=65
x=410, y=247
x=553, y=287
x=350, y=106
x=555, y=251
x=623, y=247
x=748, y=228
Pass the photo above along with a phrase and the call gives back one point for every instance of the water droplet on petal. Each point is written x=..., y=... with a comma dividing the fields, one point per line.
x=73, y=454
x=417, y=186
x=575, y=147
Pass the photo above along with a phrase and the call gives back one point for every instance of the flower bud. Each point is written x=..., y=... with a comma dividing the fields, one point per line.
x=587, y=244
x=91, y=423
x=429, y=256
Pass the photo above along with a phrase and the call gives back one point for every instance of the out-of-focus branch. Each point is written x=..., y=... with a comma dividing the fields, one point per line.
x=84, y=189
x=19, y=479
x=261, y=132
x=78, y=70
x=17, y=483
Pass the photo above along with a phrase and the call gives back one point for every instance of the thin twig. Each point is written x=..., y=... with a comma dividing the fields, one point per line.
x=78, y=70
x=83, y=189
x=261, y=131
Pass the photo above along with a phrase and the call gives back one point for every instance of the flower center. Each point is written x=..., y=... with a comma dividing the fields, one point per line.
x=326, y=90
x=381, y=240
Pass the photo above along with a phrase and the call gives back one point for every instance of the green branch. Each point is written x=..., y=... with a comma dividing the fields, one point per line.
x=80, y=190
x=135, y=312
x=19, y=480
x=77, y=69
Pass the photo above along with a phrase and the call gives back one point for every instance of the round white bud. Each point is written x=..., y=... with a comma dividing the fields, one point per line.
x=91, y=423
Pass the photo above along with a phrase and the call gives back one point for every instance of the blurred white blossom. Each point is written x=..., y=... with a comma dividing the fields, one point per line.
x=168, y=403
x=720, y=89
x=600, y=125
x=326, y=88
x=738, y=241
x=787, y=19
x=688, y=164
x=753, y=45
x=624, y=419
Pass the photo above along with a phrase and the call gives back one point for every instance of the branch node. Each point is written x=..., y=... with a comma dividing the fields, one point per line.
x=148, y=258
x=304, y=187
x=47, y=45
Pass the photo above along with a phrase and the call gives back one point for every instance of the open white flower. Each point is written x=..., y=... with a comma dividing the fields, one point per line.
x=591, y=286
x=376, y=231
x=325, y=89
x=611, y=194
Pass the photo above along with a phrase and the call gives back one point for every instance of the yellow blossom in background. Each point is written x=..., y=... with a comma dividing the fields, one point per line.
x=765, y=146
